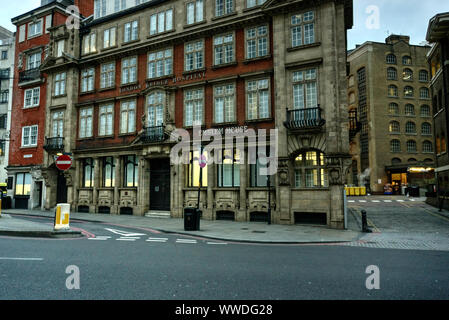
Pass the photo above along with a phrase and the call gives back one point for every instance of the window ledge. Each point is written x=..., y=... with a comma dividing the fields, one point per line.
x=60, y=96
x=311, y=189
x=259, y=120
x=109, y=136
x=151, y=36
x=234, y=13
x=106, y=89
x=251, y=8
x=87, y=92
x=246, y=61
x=226, y=189
x=129, y=84
x=85, y=139
x=224, y=65
x=127, y=134
x=31, y=108
x=109, y=48
x=194, y=189
x=304, y=46
x=29, y=147
x=187, y=26
x=167, y=77
x=193, y=71
x=124, y=44
x=224, y=124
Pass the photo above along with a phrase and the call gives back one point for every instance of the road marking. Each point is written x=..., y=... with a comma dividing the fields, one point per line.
x=216, y=243
x=125, y=239
x=101, y=238
x=22, y=259
x=190, y=241
x=125, y=233
x=351, y=201
x=388, y=201
x=436, y=215
x=400, y=200
x=375, y=201
x=362, y=201
x=157, y=240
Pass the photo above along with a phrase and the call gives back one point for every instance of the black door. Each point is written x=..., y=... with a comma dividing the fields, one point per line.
x=160, y=185
x=61, y=188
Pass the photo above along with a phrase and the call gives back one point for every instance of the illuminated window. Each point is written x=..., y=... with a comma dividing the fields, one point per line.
x=395, y=127
x=407, y=75
x=192, y=172
x=392, y=91
x=23, y=184
x=131, y=171
x=108, y=172
x=88, y=173
x=309, y=170
x=409, y=92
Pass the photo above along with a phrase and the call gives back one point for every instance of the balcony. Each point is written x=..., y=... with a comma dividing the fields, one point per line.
x=31, y=75
x=354, y=124
x=54, y=144
x=153, y=134
x=305, y=119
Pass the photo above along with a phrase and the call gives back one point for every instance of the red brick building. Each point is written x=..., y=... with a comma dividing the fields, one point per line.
x=29, y=101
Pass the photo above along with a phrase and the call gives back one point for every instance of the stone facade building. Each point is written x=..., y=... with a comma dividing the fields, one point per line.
x=133, y=75
x=438, y=57
x=26, y=157
x=390, y=107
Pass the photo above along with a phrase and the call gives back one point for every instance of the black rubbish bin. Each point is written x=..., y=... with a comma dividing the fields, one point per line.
x=414, y=192
x=192, y=219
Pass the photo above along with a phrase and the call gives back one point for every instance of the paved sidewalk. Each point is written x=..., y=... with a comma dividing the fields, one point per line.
x=220, y=230
x=10, y=226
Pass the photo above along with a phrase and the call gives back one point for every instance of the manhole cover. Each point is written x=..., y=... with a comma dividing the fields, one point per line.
x=256, y=231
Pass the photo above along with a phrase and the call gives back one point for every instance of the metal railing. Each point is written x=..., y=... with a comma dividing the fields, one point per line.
x=54, y=144
x=153, y=134
x=30, y=75
x=304, y=118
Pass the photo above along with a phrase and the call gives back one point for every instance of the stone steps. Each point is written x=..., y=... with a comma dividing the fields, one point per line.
x=158, y=214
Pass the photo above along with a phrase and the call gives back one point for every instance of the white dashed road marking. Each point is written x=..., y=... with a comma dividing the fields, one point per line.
x=157, y=240
x=185, y=241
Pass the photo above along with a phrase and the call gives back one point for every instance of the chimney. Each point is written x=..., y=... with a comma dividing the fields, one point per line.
x=394, y=38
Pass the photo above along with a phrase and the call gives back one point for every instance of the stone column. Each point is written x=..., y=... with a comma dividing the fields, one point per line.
x=96, y=186
x=241, y=213
x=76, y=184
x=117, y=184
x=209, y=202
x=141, y=186
x=179, y=189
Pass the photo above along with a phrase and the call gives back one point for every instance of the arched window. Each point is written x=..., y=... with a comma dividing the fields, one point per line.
x=407, y=75
x=410, y=127
x=426, y=129
x=393, y=109
x=409, y=110
x=395, y=127
x=427, y=147
x=88, y=173
x=396, y=161
x=391, y=59
x=407, y=60
x=425, y=111
x=428, y=160
x=412, y=160
x=131, y=172
x=108, y=172
x=411, y=146
x=392, y=91
x=392, y=74
x=155, y=107
x=408, y=92
x=424, y=93
x=423, y=76
x=310, y=171
x=395, y=146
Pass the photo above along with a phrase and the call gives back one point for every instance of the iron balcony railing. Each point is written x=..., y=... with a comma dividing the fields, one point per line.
x=153, y=134
x=354, y=124
x=30, y=75
x=309, y=118
x=54, y=144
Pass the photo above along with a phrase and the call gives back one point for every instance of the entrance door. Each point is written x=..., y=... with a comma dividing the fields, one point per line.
x=61, y=188
x=160, y=185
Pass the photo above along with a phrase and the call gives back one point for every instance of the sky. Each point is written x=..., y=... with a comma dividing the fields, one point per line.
x=406, y=17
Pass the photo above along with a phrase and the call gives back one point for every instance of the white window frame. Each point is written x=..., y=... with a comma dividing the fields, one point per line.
x=27, y=133
x=34, y=59
x=256, y=37
x=106, y=120
x=127, y=123
x=60, y=47
x=60, y=84
x=90, y=43
x=127, y=71
x=131, y=34
x=191, y=52
x=57, y=124
x=32, y=31
x=160, y=63
x=197, y=15
x=197, y=106
x=87, y=80
x=155, y=109
x=224, y=103
x=298, y=26
x=110, y=38
x=254, y=3
x=161, y=22
x=34, y=98
x=305, y=80
x=86, y=122
x=107, y=75
x=224, y=42
x=224, y=8
x=257, y=92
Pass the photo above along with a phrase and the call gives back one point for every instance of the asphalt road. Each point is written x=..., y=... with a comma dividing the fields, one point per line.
x=120, y=263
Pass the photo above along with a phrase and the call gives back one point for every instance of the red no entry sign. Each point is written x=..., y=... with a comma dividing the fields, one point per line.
x=63, y=162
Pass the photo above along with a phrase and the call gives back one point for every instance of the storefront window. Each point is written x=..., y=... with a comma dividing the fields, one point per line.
x=23, y=184
x=131, y=171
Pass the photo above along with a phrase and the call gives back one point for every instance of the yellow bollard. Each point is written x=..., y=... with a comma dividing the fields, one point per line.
x=363, y=191
x=62, y=217
x=357, y=191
